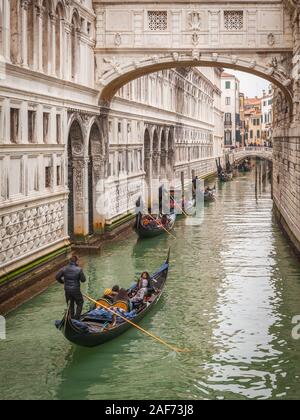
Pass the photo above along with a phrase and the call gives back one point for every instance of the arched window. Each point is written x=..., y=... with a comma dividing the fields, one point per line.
x=15, y=31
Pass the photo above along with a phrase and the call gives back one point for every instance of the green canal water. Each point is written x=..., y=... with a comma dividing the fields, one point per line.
x=233, y=289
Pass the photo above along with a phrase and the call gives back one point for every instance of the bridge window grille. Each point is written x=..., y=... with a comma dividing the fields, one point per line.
x=233, y=20
x=158, y=20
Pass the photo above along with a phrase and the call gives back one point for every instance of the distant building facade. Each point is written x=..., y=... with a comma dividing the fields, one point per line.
x=253, y=121
x=242, y=119
x=231, y=109
x=267, y=116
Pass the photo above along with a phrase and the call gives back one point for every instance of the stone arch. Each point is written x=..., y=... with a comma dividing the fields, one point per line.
x=76, y=118
x=76, y=181
x=255, y=154
x=95, y=174
x=118, y=74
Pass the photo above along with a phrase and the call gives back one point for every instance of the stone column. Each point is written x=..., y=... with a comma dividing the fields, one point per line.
x=60, y=73
x=38, y=39
x=4, y=31
x=24, y=47
x=53, y=44
x=67, y=48
x=170, y=164
x=80, y=174
x=15, y=33
x=98, y=164
x=164, y=163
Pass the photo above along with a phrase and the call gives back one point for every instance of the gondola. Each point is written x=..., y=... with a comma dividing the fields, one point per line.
x=89, y=333
x=146, y=227
x=210, y=196
x=245, y=168
x=225, y=177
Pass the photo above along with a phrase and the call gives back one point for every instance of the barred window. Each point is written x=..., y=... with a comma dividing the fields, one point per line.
x=158, y=21
x=234, y=20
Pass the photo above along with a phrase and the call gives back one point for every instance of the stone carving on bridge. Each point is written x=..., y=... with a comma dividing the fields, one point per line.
x=271, y=39
x=114, y=64
x=281, y=67
x=176, y=56
x=294, y=3
x=195, y=20
x=195, y=38
x=118, y=40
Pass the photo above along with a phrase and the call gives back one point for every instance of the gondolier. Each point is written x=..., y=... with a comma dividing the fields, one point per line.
x=71, y=277
x=94, y=329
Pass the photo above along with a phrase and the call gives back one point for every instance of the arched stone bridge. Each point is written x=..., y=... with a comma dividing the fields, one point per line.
x=238, y=155
x=138, y=38
x=261, y=37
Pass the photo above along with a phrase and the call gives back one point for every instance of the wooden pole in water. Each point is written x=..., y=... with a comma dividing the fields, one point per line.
x=180, y=208
x=256, y=180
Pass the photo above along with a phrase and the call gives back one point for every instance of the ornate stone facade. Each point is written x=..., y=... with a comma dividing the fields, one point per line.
x=73, y=127
x=29, y=230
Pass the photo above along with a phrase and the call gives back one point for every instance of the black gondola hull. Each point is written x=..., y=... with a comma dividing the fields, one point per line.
x=154, y=231
x=93, y=339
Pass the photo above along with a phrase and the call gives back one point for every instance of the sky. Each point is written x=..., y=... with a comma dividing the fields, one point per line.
x=251, y=85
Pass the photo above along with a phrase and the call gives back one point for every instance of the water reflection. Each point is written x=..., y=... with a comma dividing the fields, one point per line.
x=233, y=289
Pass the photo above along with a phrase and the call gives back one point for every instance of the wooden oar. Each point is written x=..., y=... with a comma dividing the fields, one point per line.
x=160, y=224
x=180, y=208
x=177, y=350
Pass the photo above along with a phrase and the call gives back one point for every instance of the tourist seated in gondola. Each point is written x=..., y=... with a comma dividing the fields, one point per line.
x=139, y=284
x=121, y=296
x=144, y=276
x=140, y=295
x=165, y=220
x=110, y=294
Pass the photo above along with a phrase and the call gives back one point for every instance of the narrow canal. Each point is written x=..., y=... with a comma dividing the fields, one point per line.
x=233, y=290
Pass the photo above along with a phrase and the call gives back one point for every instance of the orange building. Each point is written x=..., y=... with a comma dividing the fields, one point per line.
x=253, y=118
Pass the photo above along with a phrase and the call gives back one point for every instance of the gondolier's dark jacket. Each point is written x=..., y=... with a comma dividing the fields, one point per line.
x=71, y=276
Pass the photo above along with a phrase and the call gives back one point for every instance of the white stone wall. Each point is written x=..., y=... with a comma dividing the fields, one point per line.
x=48, y=85
x=38, y=96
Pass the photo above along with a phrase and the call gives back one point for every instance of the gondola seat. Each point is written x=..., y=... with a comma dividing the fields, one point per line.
x=104, y=302
x=121, y=304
